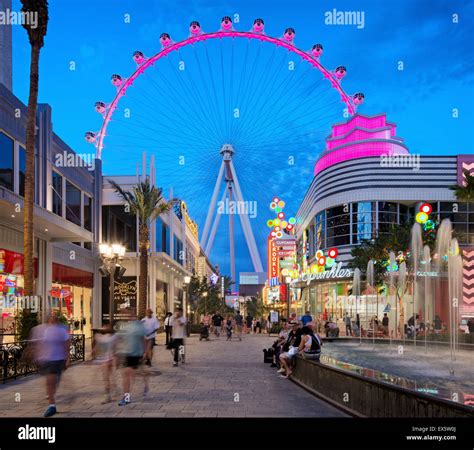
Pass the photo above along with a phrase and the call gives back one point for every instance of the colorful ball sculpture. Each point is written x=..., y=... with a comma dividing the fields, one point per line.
x=421, y=217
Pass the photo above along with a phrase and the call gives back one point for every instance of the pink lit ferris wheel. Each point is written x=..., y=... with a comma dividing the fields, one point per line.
x=230, y=117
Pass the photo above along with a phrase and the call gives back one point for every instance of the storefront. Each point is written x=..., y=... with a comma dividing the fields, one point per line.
x=71, y=295
x=11, y=289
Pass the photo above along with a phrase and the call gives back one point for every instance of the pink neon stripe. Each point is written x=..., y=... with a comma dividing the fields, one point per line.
x=358, y=150
x=203, y=37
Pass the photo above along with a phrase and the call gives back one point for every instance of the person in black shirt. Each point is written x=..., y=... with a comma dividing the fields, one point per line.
x=217, y=320
x=290, y=348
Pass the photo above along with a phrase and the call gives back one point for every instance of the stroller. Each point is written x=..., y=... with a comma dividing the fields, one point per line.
x=204, y=332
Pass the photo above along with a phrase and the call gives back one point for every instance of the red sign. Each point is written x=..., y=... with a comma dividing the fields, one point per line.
x=273, y=260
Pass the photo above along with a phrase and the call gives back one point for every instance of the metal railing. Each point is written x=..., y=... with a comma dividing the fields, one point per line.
x=14, y=364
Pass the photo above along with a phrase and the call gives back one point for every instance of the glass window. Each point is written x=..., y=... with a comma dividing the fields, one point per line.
x=178, y=249
x=87, y=212
x=388, y=212
x=73, y=203
x=21, y=171
x=453, y=206
x=57, y=194
x=362, y=219
x=320, y=230
x=119, y=226
x=162, y=237
x=6, y=161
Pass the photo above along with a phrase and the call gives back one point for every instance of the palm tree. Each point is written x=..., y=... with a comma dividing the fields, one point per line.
x=146, y=202
x=36, y=37
x=465, y=192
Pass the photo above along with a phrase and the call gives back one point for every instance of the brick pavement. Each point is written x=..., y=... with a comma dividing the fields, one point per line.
x=215, y=375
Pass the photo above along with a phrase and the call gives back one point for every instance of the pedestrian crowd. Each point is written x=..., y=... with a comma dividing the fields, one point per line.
x=128, y=346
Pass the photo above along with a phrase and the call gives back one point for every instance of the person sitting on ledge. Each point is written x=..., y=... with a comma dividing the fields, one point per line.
x=310, y=345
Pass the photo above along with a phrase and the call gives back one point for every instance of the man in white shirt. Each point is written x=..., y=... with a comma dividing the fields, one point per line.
x=152, y=324
x=168, y=328
x=179, y=333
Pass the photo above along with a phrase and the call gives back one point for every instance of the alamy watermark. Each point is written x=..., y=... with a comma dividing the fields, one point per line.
x=411, y=161
x=31, y=302
x=237, y=207
x=66, y=159
x=9, y=17
x=354, y=18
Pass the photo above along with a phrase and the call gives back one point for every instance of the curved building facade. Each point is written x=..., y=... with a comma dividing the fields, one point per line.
x=365, y=181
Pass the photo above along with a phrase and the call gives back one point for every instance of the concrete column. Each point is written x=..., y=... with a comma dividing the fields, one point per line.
x=6, y=49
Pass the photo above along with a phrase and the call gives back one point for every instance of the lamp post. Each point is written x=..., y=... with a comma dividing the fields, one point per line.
x=187, y=280
x=112, y=256
x=204, y=294
x=288, y=281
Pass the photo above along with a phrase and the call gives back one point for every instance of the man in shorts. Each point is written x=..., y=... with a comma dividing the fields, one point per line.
x=179, y=333
x=289, y=349
x=132, y=337
x=239, y=322
x=152, y=325
x=51, y=348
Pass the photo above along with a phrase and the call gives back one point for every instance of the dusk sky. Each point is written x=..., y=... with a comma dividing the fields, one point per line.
x=92, y=37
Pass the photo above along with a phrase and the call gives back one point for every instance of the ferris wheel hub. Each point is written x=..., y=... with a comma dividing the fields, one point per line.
x=227, y=150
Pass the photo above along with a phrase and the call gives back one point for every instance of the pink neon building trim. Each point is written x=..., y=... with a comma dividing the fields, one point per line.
x=219, y=34
x=360, y=137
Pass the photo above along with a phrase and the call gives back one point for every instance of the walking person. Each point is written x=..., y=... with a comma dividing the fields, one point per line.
x=152, y=325
x=179, y=333
x=348, y=323
x=228, y=328
x=104, y=351
x=385, y=322
x=51, y=351
x=307, y=318
x=168, y=328
x=217, y=321
x=249, y=323
x=131, y=335
x=239, y=320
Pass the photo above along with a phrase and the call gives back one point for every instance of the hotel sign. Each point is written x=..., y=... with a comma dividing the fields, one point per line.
x=336, y=271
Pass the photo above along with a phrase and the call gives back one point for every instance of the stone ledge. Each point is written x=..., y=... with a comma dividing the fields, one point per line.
x=371, y=398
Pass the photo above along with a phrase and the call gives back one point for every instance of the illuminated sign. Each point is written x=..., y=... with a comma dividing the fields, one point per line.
x=337, y=271
x=273, y=260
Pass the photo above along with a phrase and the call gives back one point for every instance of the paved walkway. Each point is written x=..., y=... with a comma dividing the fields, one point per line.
x=220, y=379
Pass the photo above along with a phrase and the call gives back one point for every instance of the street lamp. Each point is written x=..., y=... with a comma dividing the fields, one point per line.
x=187, y=280
x=112, y=256
x=288, y=281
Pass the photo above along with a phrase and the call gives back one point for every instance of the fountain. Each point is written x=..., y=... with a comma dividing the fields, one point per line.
x=391, y=284
x=356, y=292
x=426, y=261
x=370, y=283
x=401, y=286
x=416, y=249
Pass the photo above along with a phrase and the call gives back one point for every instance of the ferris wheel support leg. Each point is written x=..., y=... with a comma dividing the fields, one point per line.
x=231, y=236
x=210, y=242
x=244, y=220
x=212, y=207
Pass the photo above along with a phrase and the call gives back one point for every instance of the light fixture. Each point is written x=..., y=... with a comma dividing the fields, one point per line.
x=13, y=215
x=103, y=249
x=116, y=249
x=187, y=279
x=45, y=229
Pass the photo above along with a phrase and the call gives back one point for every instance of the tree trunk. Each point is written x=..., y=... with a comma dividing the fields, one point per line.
x=143, y=282
x=28, y=229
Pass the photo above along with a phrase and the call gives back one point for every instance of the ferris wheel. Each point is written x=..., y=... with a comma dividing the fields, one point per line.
x=231, y=117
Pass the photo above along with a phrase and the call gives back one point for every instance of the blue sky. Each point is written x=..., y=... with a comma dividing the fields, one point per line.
x=438, y=72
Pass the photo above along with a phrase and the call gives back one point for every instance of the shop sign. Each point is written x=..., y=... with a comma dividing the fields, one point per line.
x=273, y=260
x=286, y=264
x=336, y=271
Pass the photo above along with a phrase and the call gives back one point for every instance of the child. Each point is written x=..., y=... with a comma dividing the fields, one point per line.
x=228, y=328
